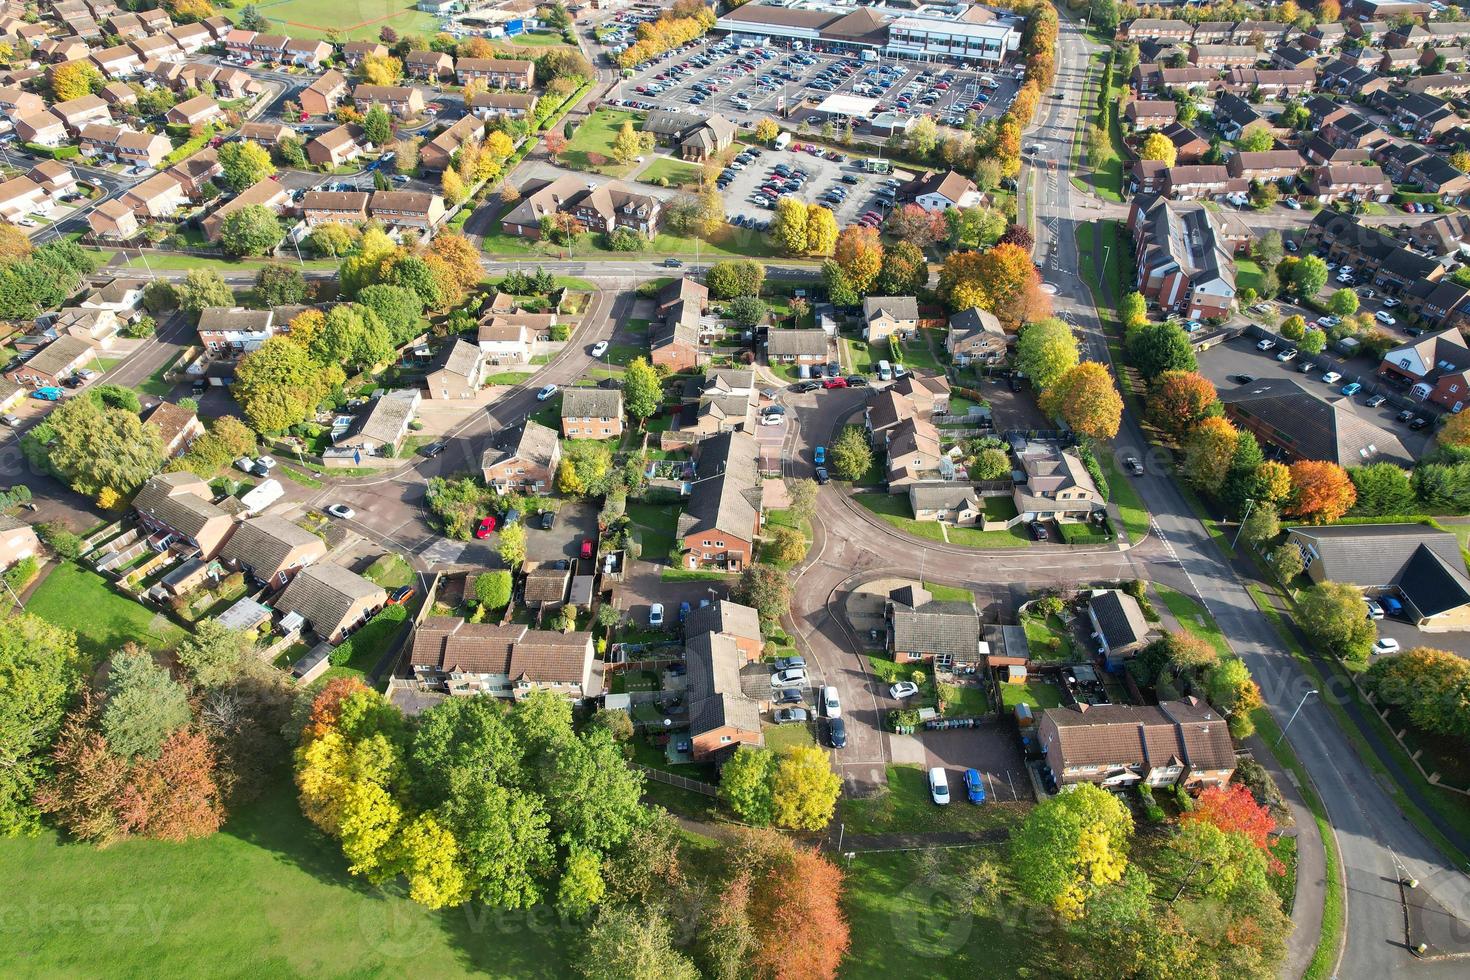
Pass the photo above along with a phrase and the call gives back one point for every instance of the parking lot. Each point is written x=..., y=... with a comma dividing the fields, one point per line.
x=576, y=521
x=810, y=176
x=748, y=84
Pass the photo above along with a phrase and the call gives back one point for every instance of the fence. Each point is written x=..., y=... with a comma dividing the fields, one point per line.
x=1432, y=778
x=692, y=785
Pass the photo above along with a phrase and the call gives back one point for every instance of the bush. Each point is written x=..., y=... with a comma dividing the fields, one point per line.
x=61, y=541
x=22, y=573
x=371, y=638
x=560, y=331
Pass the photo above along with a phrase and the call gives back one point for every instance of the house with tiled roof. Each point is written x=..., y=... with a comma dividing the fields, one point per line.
x=76, y=113
x=344, y=207
x=179, y=508
x=437, y=154
x=513, y=105
x=1350, y=181
x=269, y=194
x=741, y=623
x=952, y=502
x=456, y=370
x=976, y=336
x=271, y=549
x=353, y=52
x=177, y=427
x=807, y=346
x=722, y=716
x=523, y=460
x=506, y=661
x=1302, y=426
x=592, y=413
x=940, y=191
x=428, y=65
x=331, y=599
x=1421, y=565
x=674, y=340
x=695, y=135
x=113, y=221
x=43, y=128
x=229, y=331
x=921, y=628
x=1118, y=624
x=1184, y=264
x=1057, y=485
x=884, y=316
x=1172, y=743
x=497, y=72
x=382, y=427
x=599, y=207
x=1432, y=366
x=402, y=101
x=322, y=96
x=193, y=173
x=419, y=211
x=722, y=514
x=18, y=541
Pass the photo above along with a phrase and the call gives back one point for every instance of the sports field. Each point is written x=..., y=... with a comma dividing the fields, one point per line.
x=353, y=20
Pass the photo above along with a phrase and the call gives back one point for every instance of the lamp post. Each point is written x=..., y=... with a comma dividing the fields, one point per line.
x=1249, y=503
x=1294, y=714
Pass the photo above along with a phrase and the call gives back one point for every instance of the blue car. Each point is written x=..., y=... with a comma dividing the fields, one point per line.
x=1351, y=389
x=819, y=455
x=683, y=611
x=974, y=786
x=47, y=394
x=1391, y=605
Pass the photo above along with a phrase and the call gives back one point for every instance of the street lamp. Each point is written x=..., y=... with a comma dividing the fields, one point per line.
x=1249, y=503
x=1295, y=713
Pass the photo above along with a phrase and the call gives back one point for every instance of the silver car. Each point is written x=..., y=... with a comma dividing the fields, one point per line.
x=786, y=716
x=788, y=678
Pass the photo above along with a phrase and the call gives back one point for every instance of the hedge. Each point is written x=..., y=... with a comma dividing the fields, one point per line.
x=22, y=573
x=54, y=152
x=371, y=639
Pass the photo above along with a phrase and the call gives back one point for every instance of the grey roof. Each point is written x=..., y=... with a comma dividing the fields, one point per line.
x=1311, y=427
x=234, y=318
x=245, y=614
x=533, y=442
x=715, y=697
x=942, y=496
x=264, y=543
x=459, y=357
x=325, y=594
x=936, y=628
x=584, y=403
x=795, y=343
x=179, y=500
x=1120, y=618
x=724, y=616
x=387, y=420
x=1417, y=558
x=58, y=355
x=1184, y=233
x=973, y=322
x=546, y=584
x=897, y=307
x=726, y=496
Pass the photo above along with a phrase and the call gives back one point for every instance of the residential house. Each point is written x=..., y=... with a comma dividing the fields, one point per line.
x=1174, y=743
x=921, y=628
x=1057, y=485
x=506, y=661
x=884, y=316
x=353, y=52
x=157, y=197
x=1223, y=55
x=76, y=113
x=98, y=327
x=196, y=171
x=123, y=145
x=1354, y=131
x=322, y=96
x=331, y=599
x=306, y=52
x=1317, y=150
x=18, y=541
x=1440, y=304
x=1146, y=177
x=117, y=62
x=402, y=101
x=722, y=401
x=1449, y=83
x=696, y=136
x=1393, y=267
x=504, y=341
x=722, y=717
x=20, y=196
x=271, y=550
x=437, y=154
x=1190, y=145
x=345, y=207
x=229, y=331
x=1183, y=263
x=1422, y=566
x=1302, y=426
x=884, y=410
x=41, y=128
x=1399, y=60
x=428, y=65
x=722, y=515
x=269, y=48
x=53, y=364
x=456, y=371
x=600, y=208
x=976, y=336
x=1200, y=181
x=796, y=346
x=1270, y=82
x=190, y=38
x=238, y=42
x=913, y=454
x=113, y=221
x=1118, y=624
x=1233, y=115
x=336, y=146
x=418, y=210
x=159, y=47
x=266, y=133
x=1150, y=113
x=524, y=460
x=512, y=105
x=1265, y=165
x=381, y=429
x=935, y=191
x=177, y=427
x=178, y=508
x=951, y=503
x=17, y=103
x=121, y=296
x=1355, y=182
x=62, y=49
x=1445, y=234
x=194, y=112
x=269, y=194
x=497, y=72
x=725, y=618
x=929, y=393
x=592, y=413
x=1431, y=367
x=674, y=339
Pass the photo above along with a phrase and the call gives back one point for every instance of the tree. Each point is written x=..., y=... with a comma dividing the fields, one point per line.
x=623, y=942
x=923, y=136
x=821, y=230
x=745, y=785
x=1045, y=351
x=582, y=885
x=746, y=311
x=244, y=163
x=1070, y=847
x=1432, y=687
x=1286, y=560
x=378, y=69
x=279, y=385
x=1001, y=280
x=1343, y=302
x=493, y=589
x=40, y=673
x=859, y=254
x=1208, y=451
x=512, y=547
x=95, y=448
x=251, y=19
x=400, y=310
x=377, y=127
x=291, y=152
x=453, y=187
x=278, y=284
x=803, y=494
x=1262, y=525
x=174, y=797
x=74, y=79
x=789, y=227
x=1159, y=347
x=642, y=391
x=252, y=230
x=629, y=144
x=839, y=290
x=904, y=271
x=332, y=239
x=1178, y=400
x=14, y=244
x=738, y=277
x=1308, y=276
x=1456, y=430
x=215, y=654
x=202, y=288
x=1157, y=146
x=796, y=911
x=766, y=590
x=144, y=705
x=1381, y=489
x=786, y=544
x=767, y=130
x=804, y=789
x=1313, y=341
x=1332, y=616
x=1232, y=810
x=1257, y=138
x=1087, y=400
x=851, y=454
x=911, y=223
x=1321, y=492
x=1232, y=690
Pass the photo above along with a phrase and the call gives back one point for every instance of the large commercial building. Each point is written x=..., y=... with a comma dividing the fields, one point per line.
x=956, y=33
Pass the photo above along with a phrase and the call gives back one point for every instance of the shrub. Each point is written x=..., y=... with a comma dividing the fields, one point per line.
x=560, y=331
x=61, y=541
x=22, y=573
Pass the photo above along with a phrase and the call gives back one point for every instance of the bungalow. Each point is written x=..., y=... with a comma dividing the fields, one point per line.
x=796, y=346
x=524, y=460
x=177, y=427
x=336, y=146
x=1118, y=624
x=76, y=113
x=418, y=210
x=331, y=599
x=403, y=101
x=934, y=191
x=194, y=112
x=229, y=331
x=976, y=336
x=512, y=105
x=266, y=133
x=696, y=137
x=591, y=413
x=437, y=155
x=157, y=197
x=178, y=507
x=344, y=207
x=1174, y=743
x=924, y=629
x=1423, y=566
x=267, y=193
x=505, y=661
x=113, y=221
x=497, y=73
x=271, y=549
x=428, y=65
x=456, y=370
x=54, y=363
x=1149, y=113
x=42, y=128
x=306, y=52
x=952, y=503
x=381, y=429
x=322, y=96
x=883, y=316
x=722, y=515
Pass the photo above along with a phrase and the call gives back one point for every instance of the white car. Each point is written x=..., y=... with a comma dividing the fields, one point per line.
x=1331, y=378
x=1287, y=355
x=599, y=348
x=1389, y=302
x=1386, y=644
x=830, y=703
x=1385, y=318
x=903, y=689
x=772, y=419
x=342, y=511
x=545, y=393
x=656, y=614
x=1375, y=611
x=794, y=677
x=1266, y=345
x=939, y=786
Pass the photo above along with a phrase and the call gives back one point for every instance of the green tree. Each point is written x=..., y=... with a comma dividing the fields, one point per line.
x=1343, y=302
x=291, y=152
x=1255, y=139
x=244, y=163
x=1308, y=276
x=1045, y=351
x=851, y=454
x=737, y=277
x=923, y=136
x=747, y=311
x=745, y=785
x=252, y=230
x=202, y=288
x=766, y=590
x=512, y=547
x=493, y=589
x=1333, y=617
x=839, y=287
x=1313, y=341
x=279, y=385
x=803, y=495
x=39, y=675
x=399, y=309
x=215, y=654
x=904, y=271
x=1160, y=347
x=352, y=334
x=1070, y=847
x=1286, y=560
x=642, y=391
x=144, y=705
x=1262, y=526
x=624, y=942
x=377, y=127
x=96, y=448
x=278, y=284
x=582, y=886
x=1383, y=489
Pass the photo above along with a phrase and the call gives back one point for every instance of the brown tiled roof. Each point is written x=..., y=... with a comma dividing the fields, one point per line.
x=264, y=544
x=726, y=617
x=324, y=595
x=1187, y=732
x=448, y=644
x=170, y=420
x=179, y=500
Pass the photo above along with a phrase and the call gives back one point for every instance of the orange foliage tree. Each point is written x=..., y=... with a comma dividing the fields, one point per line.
x=800, y=929
x=1178, y=400
x=1087, y=400
x=1321, y=492
x=1233, y=810
x=1208, y=450
x=859, y=253
x=1002, y=280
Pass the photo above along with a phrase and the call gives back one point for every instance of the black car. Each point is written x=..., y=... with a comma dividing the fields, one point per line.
x=821, y=474
x=857, y=381
x=1406, y=415
x=1038, y=531
x=837, y=733
x=788, y=695
x=548, y=520
x=1419, y=423
x=806, y=386
x=432, y=449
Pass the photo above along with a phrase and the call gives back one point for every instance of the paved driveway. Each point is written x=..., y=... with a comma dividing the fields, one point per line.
x=992, y=749
x=576, y=521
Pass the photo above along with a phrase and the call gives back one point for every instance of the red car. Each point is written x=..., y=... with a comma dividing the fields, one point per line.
x=835, y=383
x=486, y=528
x=586, y=547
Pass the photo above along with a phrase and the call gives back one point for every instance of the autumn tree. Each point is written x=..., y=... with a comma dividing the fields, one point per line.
x=1233, y=810
x=244, y=163
x=821, y=230
x=1178, y=400
x=1086, y=399
x=1333, y=617
x=904, y=271
x=767, y=130
x=804, y=789
x=1070, y=847
x=912, y=223
x=215, y=654
x=378, y=69
x=1456, y=430
x=765, y=589
x=1001, y=280
x=1431, y=686
x=279, y=385
x=859, y=253
x=1157, y=146
x=1321, y=491
x=1208, y=449
x=796, y=910
x=1045, y=351
x=629, y=143
x=74, y=79
x=789, y=227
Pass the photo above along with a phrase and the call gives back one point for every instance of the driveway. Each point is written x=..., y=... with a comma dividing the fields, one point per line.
x=576, y=521
x=643, y=585
x=992, y=749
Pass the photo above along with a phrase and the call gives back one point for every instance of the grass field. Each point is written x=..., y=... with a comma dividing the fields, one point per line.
x=1130, y=505
x=268, y=896
x=1038, y=694
x=655, y=524
x=894, y=508
x=82, y=600
x=1248, y=274
x=949, y=593
x=676, y=172
x=596, y=136
x=360, y=20
x=1195, y=618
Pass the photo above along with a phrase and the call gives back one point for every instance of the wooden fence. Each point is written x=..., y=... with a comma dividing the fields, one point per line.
x=693, y=785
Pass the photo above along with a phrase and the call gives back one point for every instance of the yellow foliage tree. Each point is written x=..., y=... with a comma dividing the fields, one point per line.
x=380, y=69
x=74, y=79
x=499, y=145
x=430, y=858
x=821, y=230
x=804, y=789
x=767, y=130
x=1157, y=146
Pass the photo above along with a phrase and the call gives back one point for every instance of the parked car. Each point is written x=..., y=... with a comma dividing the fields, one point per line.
x=1384, y=317
x=1375, y=611
x=1376, y=400
x=486, y=527
x=1267, y=344
x=1391, y=605
x=342, y=511
x=400, y=595
x=831, y=704
x=1407, y=415
x=548, y=520
x=599, y=348
x=1386, y=644
x=974, y=786
x=782, y=678
x=1038, y=531
x=789, y=663
x=856, y=381
x=656, y=614
x=545, y=393
x=787, y=716
x=789, y=695
x=1331, y=378
x=806, y=387
x=263, y=466
x=586, y=548
x=1418, y=423
x=1287, y=355
x=432, y=449
x=683, y=611
x=772, y=419
x=903, y=689
x=1351, y=388
x=837, y=733
x=939, y=786
x=835, y=383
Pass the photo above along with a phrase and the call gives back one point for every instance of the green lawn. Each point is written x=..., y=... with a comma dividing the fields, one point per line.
x=970, y=537
x=1036, y=693
x=728, y=242
x=362, y=21
x=859, y=356
x=949, y=593
x=999, y=508
x=176, y=263
x=267, y=896
x=538, y=39
x=1040, y=633
x=1248, y=275
x=678, y=173
x=655, y=524
x=966, y=702
x=906, y=808
x=1130, y=505
x=390, y=571
x=508, y=377
x=1088, y=533
x=1195, y=618
x=792, y=736
x=82, y=600
x=894, y=508
x=596, y=135
x=918, y=354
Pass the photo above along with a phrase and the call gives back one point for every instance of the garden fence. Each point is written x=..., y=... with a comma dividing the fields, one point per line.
x=693, y=785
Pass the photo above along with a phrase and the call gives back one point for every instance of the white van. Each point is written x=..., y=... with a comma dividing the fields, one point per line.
x=830, y=704
x=885, y=371
x=783, y=140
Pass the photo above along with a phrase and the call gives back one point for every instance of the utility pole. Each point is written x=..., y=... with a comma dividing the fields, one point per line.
x=1294, y=714
x=1249, y=503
